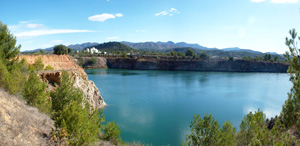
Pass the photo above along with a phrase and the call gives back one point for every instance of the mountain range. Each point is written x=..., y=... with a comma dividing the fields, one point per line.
x=161, y=47
x=74, y=47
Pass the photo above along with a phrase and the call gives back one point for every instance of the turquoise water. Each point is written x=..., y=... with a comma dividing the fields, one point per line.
x=156, y=107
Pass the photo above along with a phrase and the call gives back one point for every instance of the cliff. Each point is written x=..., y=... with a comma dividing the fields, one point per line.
x=191, y=65
x=101, y=62
x=64, y=62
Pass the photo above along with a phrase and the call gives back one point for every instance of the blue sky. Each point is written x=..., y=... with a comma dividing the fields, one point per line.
x=260, y=25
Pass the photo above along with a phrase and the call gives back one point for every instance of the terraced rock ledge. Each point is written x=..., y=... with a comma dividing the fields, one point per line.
x=64, y=62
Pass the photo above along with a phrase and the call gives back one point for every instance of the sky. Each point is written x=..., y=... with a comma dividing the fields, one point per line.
x=260, y=25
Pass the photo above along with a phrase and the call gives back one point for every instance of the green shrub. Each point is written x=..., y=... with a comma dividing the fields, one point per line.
x=92, y=61
x=73, y=114
x=203, y=131
x=112, y=133
x=49, y=67
x=34, y=92
x=38, y=64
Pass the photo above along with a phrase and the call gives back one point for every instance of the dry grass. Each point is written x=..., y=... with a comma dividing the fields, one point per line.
x=21, y=124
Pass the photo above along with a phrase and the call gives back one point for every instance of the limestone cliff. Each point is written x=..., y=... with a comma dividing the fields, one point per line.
x=64, y=62
x=188, y=65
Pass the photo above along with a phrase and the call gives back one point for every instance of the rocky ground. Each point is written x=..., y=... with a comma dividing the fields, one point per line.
x=21, y=124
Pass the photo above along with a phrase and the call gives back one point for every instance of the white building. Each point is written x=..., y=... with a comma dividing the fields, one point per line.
x=94, y=50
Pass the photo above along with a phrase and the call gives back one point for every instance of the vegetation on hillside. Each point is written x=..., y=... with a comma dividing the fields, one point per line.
x=255, y=129
x=114, y=47
x=75, y=121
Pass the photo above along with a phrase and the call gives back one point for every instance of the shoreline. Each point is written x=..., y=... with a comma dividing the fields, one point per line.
x=185, y=65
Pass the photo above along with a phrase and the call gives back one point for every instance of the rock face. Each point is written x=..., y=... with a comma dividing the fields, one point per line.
x=100, y=63
x=64, y=62
x=189, y=65
x=90, y=90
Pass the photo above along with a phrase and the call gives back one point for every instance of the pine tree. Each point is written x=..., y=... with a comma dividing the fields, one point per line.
x=8, y=50
x=203, y=131
x=34, y=91
x=112, y=133
x=73, y=113
x=38, y=64
x=291, y=108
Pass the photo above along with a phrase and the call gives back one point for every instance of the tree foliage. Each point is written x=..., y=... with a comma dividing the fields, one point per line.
x=73, y=114
x=11, y=69
x=60, y=50
x=204, y=56
x=207, y=131
x=267, y=57
x=69, y=50
x=8, y=50
x=189, y=52
x=112, y=133
x=173, y=53
x=38, y=64
x=49, y=67
x=34, y=91
x=92, y=61
x=249, y=126
x=291, y=108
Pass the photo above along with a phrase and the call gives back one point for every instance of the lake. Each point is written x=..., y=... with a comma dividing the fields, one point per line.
x=157, y=107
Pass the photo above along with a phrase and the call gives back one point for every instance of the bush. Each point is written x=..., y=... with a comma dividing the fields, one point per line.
x=124, y=55
x=207, y=131
x=112, y=133
x=189, y=52
x=92, y=61
x=49, y=67
x=204, y=56
x=73, y=114
x=35, y=94
x=60, y=50
x=38, y=64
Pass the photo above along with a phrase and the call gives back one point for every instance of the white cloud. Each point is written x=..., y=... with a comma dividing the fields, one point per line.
x=34, y=25
x=112, y=38
x=258, y=1
x=171, y=12
x=284, y=1
x=48, y=31
x=119, y=15
x=103, y=17
x=162, y=13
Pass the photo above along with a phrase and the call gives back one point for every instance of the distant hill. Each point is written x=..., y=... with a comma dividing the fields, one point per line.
x=222, y=53
x=75, y=47
x=237, y=49
x=154, y=46
x=165, y=47
x=113, y=47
